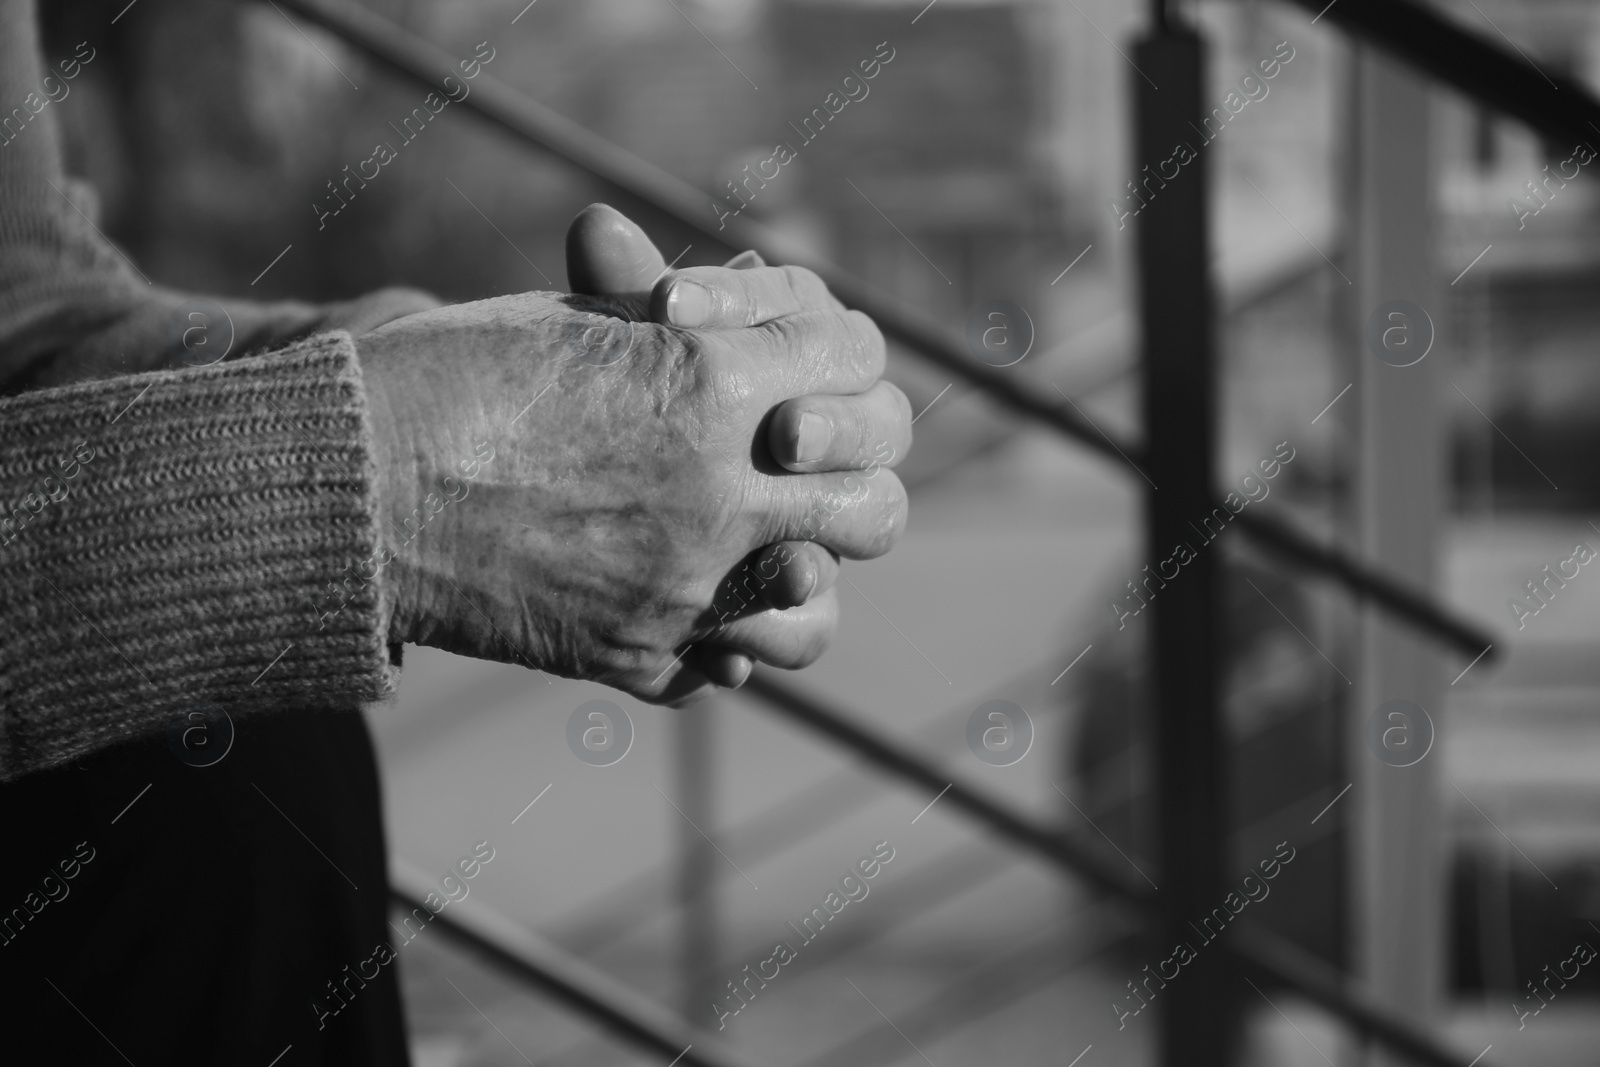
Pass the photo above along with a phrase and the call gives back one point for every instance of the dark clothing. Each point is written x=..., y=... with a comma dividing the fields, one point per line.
x=203, y=923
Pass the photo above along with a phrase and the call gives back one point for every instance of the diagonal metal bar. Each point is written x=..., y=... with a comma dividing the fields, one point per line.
x=533, y=123
x=1551, y=103
x=1020, y=829
x=1254, y=950
x=1273, y=533
x=515, y=948
x=1283, y=963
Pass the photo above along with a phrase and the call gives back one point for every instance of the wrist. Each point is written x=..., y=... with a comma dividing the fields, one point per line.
x=391, y=482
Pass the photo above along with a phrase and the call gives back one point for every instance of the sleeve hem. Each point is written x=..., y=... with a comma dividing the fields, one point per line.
x=188, y=537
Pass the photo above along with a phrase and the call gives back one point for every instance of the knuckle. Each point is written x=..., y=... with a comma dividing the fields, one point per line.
x=900, y=421
x=862, y=325
x=889, y=522
x=898, y=400
x=805, y=338
x=791, y=331
x=728, y=304
x=869, y=341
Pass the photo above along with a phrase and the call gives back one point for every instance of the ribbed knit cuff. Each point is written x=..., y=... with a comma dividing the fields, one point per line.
x=168, y=541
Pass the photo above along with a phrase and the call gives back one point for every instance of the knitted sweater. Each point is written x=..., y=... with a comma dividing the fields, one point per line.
x=167, y=536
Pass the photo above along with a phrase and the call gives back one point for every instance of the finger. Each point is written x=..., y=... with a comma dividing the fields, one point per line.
x=723, y=666
x=838, y=433
x=789, y=639
x=745, y=260
x=858, y=515
x=713, y=298
x=811, y=351
x=609, y=255
x=792, y=572
x=783, y=575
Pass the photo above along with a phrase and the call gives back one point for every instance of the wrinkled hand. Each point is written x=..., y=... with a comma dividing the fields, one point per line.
x=608, y=254
x=572, y=488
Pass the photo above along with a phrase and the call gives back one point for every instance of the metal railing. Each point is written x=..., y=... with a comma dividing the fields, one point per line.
x=1553, y=105
x=1549, y=102
x=1261, y=952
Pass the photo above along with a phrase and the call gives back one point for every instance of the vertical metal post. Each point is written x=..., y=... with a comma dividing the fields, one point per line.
x=696, y=871
x=1179, y=401
x=1398, y=923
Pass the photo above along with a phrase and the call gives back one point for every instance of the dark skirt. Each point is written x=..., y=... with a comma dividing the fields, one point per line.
x=160, y=912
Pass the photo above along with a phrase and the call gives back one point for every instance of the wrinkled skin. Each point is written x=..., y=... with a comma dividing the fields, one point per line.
x=595, y=541
x=609, y=254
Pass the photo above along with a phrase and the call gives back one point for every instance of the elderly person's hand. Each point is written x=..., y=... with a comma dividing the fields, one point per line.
x=610, y=255
x=574, y=487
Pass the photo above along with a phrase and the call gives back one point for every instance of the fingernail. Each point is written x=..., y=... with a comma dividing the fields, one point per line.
x=742, y=666
x=812, y=438
x=688, y=305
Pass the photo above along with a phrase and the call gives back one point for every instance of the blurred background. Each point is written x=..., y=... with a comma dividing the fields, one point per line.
x=981, y=166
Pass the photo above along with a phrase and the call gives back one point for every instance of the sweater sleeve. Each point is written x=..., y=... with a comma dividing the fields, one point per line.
x=185, y=538
x=169, y=534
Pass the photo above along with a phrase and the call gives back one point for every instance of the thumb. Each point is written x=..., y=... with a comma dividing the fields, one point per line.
x=609, y=255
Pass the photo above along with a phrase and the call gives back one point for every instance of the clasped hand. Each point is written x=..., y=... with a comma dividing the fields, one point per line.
x=674, y=468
